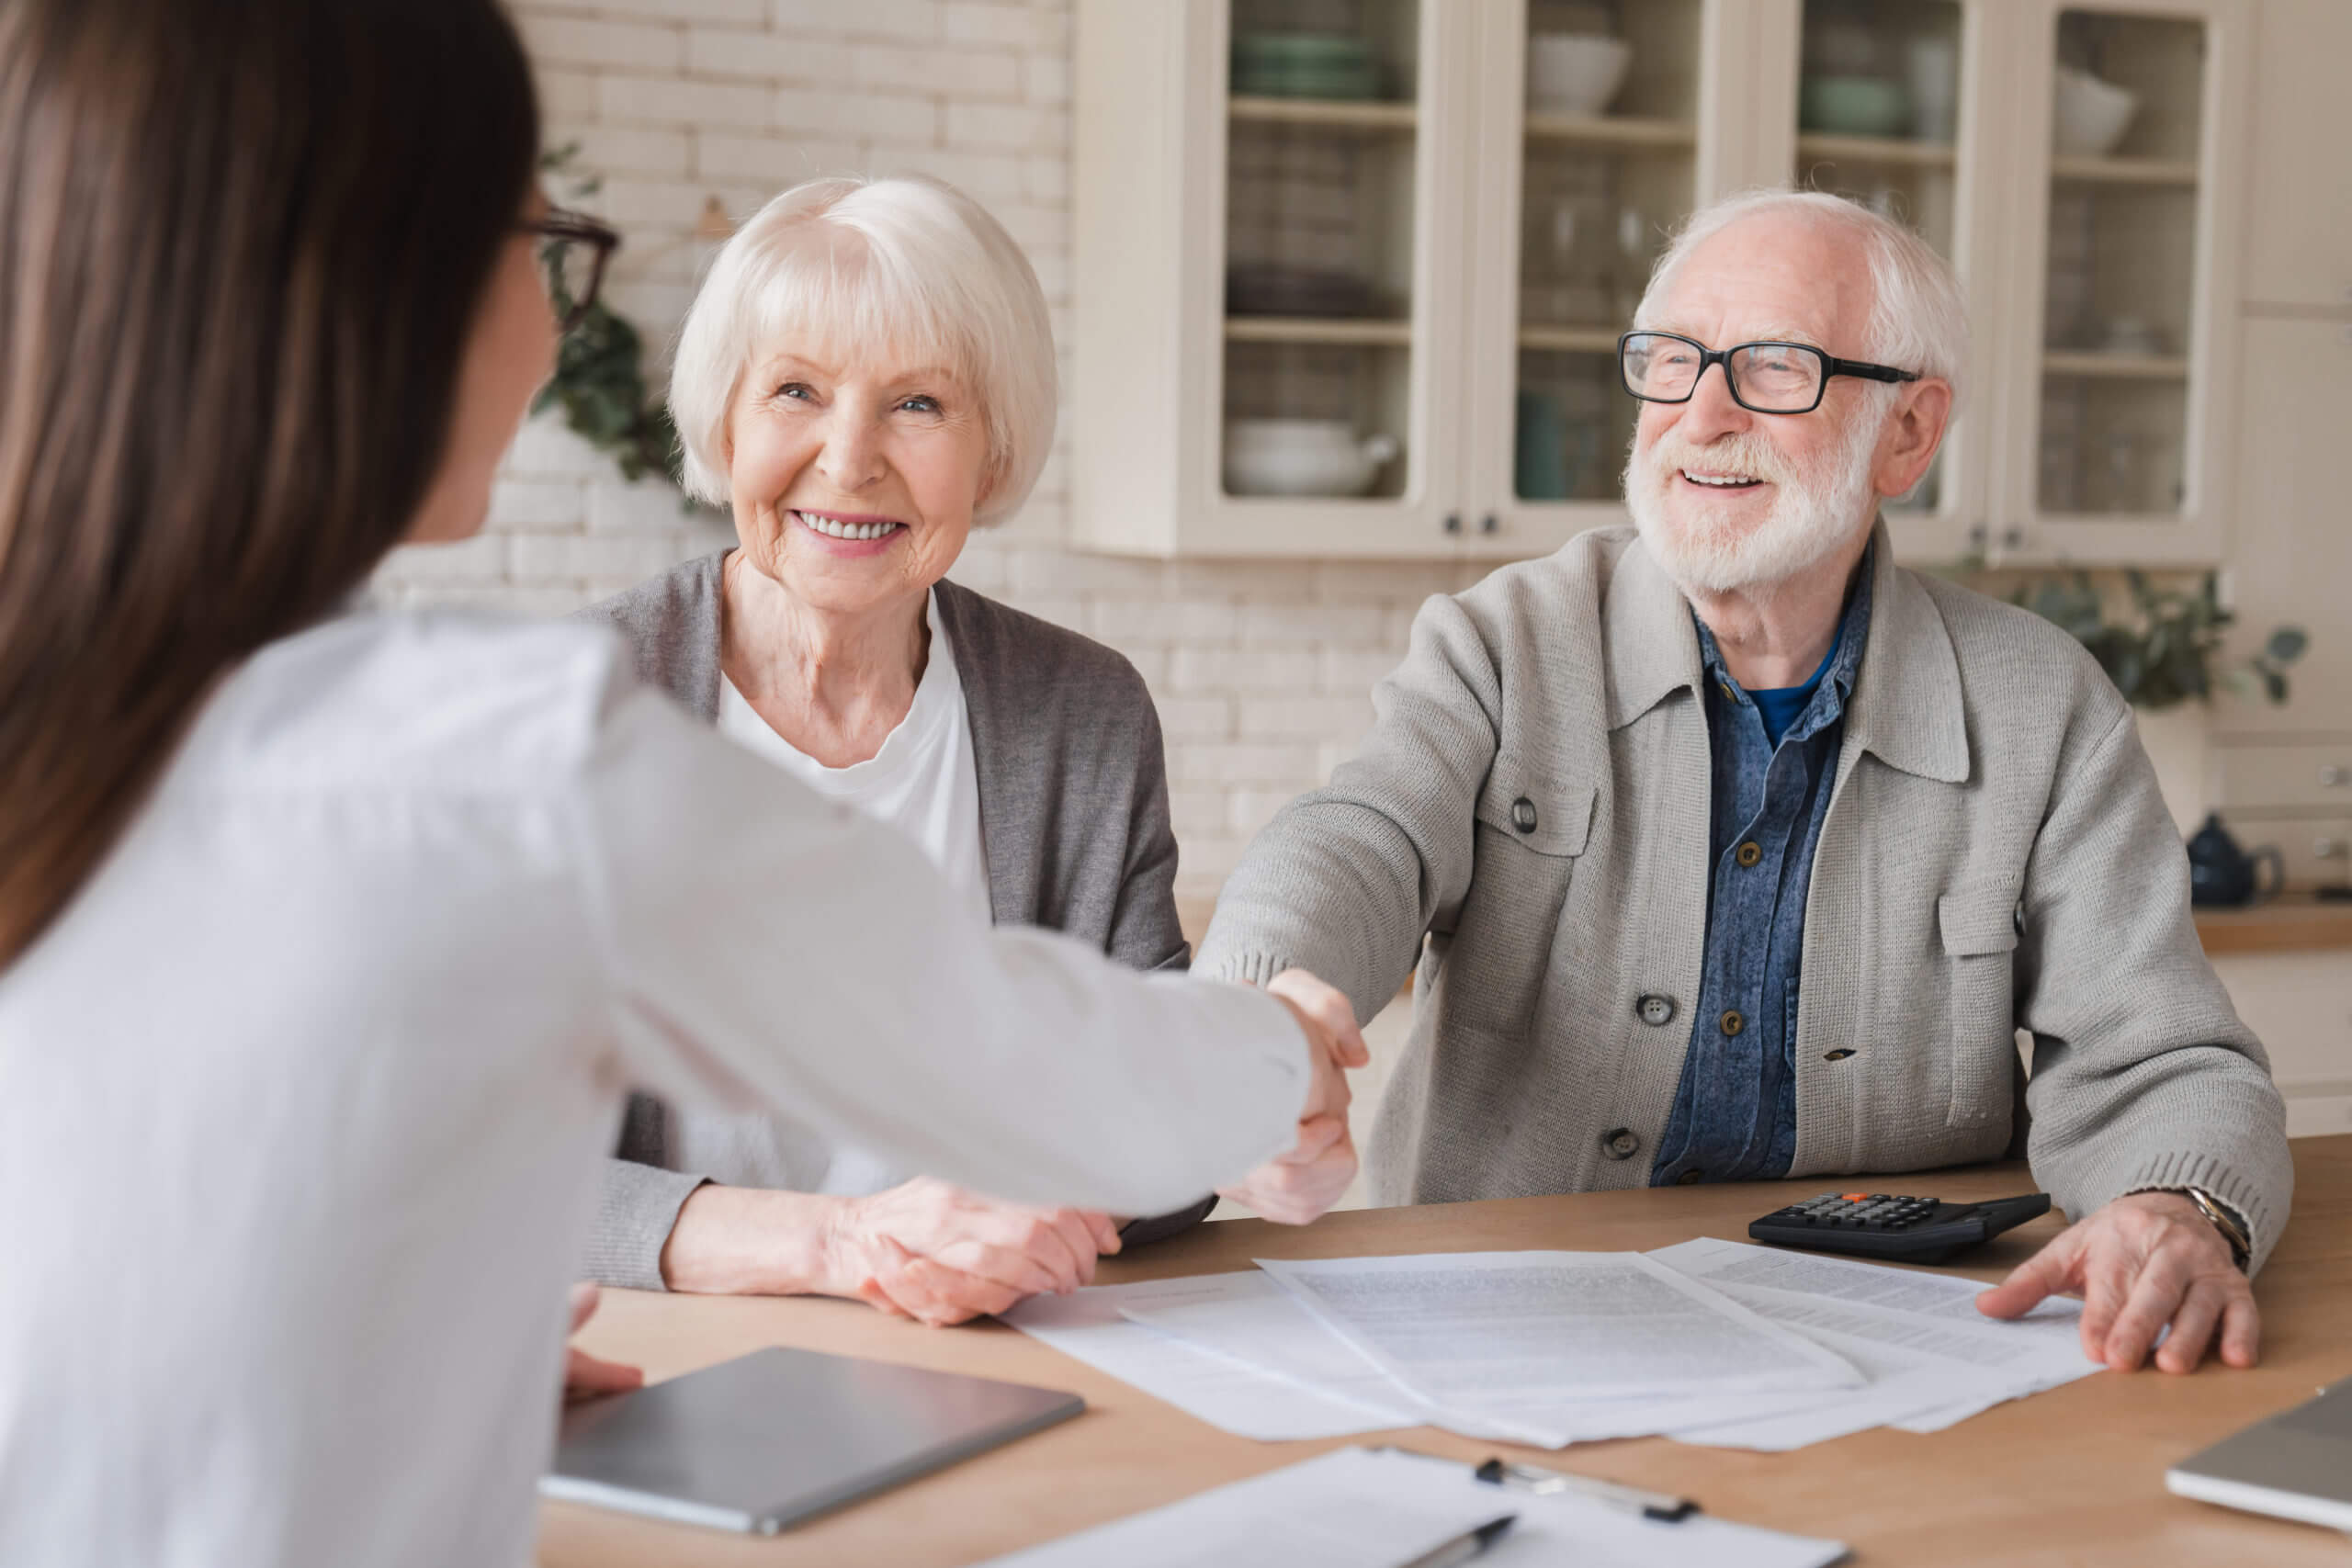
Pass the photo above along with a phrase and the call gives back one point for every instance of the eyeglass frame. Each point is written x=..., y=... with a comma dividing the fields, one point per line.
x=1830, y=365
x=559, y=223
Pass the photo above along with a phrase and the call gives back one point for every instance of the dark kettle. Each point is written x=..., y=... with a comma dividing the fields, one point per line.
x=2220, y=874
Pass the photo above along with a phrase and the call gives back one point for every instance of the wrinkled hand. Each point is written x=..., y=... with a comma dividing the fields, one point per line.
x=2143, y=1261
x=585, y=1376
x=940, y=1255
x=1302, y=1183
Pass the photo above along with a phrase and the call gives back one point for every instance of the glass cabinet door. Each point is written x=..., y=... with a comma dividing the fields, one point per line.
x=1320, y=222
x=1880, y=91
x=2120, y=290
x=1607, y=170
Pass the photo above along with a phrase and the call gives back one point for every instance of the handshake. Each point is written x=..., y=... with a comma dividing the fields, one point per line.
x=1301, y=1183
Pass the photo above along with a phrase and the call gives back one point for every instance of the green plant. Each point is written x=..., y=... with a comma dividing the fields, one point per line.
x=599, y=381
x=2165, y=656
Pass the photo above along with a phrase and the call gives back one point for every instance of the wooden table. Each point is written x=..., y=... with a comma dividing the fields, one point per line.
x=2072, y=1476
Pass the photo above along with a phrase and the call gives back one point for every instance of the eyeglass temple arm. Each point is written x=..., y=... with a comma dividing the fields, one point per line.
x=1865, y=370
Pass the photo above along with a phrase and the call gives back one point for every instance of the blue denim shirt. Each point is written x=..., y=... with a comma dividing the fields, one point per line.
x=1735, y=1116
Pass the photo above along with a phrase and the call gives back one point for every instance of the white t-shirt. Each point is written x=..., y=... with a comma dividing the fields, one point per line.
x=923, y=783
x=305, y=1097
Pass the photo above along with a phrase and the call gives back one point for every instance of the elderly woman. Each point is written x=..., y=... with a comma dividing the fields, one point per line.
x=866, y=376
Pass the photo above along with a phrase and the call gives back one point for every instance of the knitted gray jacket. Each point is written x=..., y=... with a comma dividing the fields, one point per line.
x=1528, y=823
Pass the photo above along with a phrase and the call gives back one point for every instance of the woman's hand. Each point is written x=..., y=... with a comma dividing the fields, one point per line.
x=585, y=1376
x=940, y=1255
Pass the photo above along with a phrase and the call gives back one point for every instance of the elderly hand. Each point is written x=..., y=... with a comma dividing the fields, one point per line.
x=1303, y=1182
x=585, y=1376
x=2143, y=1261
x=941, y=1256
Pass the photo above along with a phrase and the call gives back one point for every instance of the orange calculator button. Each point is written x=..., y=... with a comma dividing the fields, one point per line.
x=1853, y=1197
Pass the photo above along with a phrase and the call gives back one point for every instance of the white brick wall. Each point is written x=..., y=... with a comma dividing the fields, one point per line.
x=1262, y=671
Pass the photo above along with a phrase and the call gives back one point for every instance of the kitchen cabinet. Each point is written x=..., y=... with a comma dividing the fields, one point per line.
x=1394, y=241
x=2299, y=221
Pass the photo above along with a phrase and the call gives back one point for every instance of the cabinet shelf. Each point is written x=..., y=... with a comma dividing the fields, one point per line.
x=2078, y=170
x=2115, y=367
x=1887, y=150
x=1569, y=340
x=1611, y=131
x=1346, y=330
x=1332, y=114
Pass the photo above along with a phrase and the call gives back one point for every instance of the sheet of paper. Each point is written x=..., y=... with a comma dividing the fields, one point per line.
x=1365, y=1509
x=1086, y=1325
x=1473, y=1331
x=1966, y=1362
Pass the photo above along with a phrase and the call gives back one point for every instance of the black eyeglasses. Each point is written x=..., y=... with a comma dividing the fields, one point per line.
x=1764, y=377
x=573, y=248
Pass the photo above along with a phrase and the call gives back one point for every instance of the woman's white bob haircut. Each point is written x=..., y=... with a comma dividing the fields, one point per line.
x=841, y=269
x=1919, y=315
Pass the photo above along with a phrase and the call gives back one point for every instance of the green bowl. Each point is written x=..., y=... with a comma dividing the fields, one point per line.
x=1302, y=49
x=1853, y=106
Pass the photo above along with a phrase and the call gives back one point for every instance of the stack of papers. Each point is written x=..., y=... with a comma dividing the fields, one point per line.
x=1710, y=1342
x=1367, y=1508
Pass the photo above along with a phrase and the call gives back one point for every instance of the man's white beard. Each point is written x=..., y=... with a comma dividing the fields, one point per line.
x=1815, y=509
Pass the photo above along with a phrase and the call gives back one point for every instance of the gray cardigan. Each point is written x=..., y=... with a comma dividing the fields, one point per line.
x=1074, y=825
x=1528, y=822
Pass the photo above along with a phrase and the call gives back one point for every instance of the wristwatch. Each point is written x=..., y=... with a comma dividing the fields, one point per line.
x=2233, y=1230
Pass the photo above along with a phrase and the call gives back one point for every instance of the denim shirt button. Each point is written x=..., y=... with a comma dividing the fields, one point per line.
x=1689, y=1177
x=1655, y=1010
x=1620, y=1142
x=1522, y=814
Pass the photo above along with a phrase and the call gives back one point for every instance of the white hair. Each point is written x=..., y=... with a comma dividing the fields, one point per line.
x=845, y=267
x=1918, y=316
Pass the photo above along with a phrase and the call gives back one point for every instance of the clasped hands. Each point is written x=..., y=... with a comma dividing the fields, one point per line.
x=940, y=1255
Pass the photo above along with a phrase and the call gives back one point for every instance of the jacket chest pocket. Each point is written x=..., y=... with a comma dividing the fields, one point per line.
x=1529, y=829
x=1980, y=939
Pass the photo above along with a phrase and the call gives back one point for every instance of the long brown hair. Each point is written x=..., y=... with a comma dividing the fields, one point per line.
x=241, y=247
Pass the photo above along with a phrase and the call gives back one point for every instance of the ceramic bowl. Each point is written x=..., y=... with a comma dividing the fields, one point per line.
x=2088, y=117
x=1575, y=73
x=1302, y=457
x=1853, y=106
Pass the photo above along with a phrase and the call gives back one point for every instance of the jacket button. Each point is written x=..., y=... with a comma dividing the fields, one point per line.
x=1620, y=1143
x=1655, y=1010
x=1733, y=1022
x=1522, y=814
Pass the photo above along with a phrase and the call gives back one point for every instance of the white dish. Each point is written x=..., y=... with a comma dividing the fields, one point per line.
x=1575, y=73
x=1302, y=457
x=2088, y=117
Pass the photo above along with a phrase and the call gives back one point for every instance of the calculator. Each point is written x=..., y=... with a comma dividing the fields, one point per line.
x=1890, y=1225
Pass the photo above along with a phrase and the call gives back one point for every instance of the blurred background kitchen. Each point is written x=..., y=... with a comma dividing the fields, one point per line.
x=1335, y=285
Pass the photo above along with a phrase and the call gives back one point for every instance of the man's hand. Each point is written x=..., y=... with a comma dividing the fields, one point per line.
x=2143, y=1261
x=1303, y=1182
x=585, y=1376
x=941, y=1256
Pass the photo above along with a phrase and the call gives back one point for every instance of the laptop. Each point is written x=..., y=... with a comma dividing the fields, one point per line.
x=765, y=1441
x=2297, y=1465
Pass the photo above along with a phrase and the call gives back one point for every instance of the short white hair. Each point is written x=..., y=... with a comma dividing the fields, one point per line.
x=1919, y=315
x=842, y=266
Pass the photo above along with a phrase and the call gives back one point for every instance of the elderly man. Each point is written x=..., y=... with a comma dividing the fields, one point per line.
x=1729, y=850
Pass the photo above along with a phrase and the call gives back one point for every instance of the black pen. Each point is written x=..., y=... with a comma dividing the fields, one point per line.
x=1463, y=1546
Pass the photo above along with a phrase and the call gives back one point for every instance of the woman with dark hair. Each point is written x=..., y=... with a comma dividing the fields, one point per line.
x=329, y=942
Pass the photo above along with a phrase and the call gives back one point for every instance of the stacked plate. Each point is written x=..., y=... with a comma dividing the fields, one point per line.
x=1304, y=65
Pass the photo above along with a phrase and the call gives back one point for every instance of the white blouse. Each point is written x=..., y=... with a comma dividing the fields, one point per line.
x=923, y=783
x=304, y=1097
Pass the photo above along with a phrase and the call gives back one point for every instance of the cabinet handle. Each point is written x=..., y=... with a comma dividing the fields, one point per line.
x=1979, y=535
x=1488, y=523
x=1453, y=522
x=2332, y=776
x=2013, y=537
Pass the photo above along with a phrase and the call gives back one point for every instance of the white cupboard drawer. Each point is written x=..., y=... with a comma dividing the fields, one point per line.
x=2299, y=1004
x=2318, y=777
